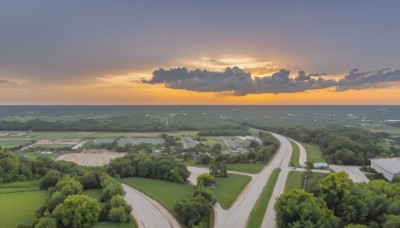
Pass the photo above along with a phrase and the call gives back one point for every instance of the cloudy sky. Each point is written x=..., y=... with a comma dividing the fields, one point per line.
x=199, y=52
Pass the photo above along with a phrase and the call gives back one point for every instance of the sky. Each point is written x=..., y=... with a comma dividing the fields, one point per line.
x=199, y=52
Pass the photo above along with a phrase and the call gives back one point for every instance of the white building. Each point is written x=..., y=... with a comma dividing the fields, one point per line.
x=390, y=168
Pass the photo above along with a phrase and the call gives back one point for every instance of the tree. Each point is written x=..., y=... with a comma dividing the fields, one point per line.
x=46, y=221
x=69, y=186
x=392, y=221
x=190, y=210
x=50, y=179
x=77, y=211
x=55, y=199
x=118, y=201
x=298, y=208
x=336, y=191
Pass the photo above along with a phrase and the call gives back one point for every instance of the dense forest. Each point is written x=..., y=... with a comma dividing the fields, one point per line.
x=339, y=202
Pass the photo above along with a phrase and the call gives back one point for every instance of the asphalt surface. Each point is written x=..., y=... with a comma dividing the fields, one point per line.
x=147, y=212
x=237, y=215
x=354, y=172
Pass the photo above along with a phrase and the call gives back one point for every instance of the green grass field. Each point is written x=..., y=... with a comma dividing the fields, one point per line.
x=229, y=188
x=19, y=201
x=246, y=167
x=211, y=140
x=13, y=142
x=294, y=181
x=314, y=154
x=166, y=193
x=257, y=214
x=294, y=161
x=239, y=167
x=130, y=224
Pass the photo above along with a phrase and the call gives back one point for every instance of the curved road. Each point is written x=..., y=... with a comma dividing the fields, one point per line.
x=147, y=212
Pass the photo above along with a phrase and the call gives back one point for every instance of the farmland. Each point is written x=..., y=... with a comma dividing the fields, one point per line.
x=91, y=157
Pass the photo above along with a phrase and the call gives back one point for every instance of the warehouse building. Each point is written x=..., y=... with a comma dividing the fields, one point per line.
x=390, y=168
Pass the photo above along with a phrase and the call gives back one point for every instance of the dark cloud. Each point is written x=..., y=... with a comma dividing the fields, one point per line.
x=5, y=82
x=240, y=83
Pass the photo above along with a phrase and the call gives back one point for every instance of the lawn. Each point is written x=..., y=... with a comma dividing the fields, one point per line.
x=294, y=181
x=229, y=188
x=294, y=161
x=19, y=202
x=239, y=167
x=246, y=167
x=166, y=193
x=314, y=154
x=257, y=214
x=130, y=224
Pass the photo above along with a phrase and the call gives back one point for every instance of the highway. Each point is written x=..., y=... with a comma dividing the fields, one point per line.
x=237, y=215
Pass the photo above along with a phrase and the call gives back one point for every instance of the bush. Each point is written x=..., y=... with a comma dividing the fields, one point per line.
x=118, y=215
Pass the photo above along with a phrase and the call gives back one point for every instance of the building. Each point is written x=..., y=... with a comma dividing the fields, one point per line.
x=320, y=165
x=390, y=168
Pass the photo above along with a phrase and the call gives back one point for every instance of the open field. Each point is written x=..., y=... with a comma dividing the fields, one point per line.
x=257, y=214
x=211, y=140
x=19, y=201
x=294, y=161
x=229, y=188
x=14, y=142
x=94, y=157
x=314, y=154
x=294, y=181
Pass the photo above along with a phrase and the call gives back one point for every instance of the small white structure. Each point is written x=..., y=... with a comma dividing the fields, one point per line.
x=390, y=168
x=320, y=165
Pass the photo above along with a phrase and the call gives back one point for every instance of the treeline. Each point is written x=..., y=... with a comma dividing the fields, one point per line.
x=20, y=168
x=161, y=166
x=339, y=202
x=225, y=132
x=339, y=145
x=101, y=125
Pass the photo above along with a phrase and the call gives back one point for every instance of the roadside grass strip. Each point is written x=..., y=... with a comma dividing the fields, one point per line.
x=294, y=181
x=229, y=188
x=294, y=161
x=257, y=214
x=314, y=154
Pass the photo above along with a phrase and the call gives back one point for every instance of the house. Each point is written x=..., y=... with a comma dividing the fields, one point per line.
x=320, y=165
x=390, y=168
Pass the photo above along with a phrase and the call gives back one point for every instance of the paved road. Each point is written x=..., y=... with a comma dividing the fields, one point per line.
x=269, y=217
x=196, y=171
x=354, y=172
x=237, y=215
x=147, y=212
x=303, y=153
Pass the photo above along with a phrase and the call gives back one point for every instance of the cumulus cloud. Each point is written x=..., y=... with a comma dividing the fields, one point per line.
x=238, y=82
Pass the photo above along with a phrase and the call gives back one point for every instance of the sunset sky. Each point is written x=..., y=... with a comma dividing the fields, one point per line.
x=247, y=52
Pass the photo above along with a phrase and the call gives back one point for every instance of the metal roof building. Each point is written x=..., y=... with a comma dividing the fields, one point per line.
x=390, y=168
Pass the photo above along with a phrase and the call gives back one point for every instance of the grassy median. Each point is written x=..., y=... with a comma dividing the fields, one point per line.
x=294, y=161
x=294, y=181
x=257, y=214
x=314, y=154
